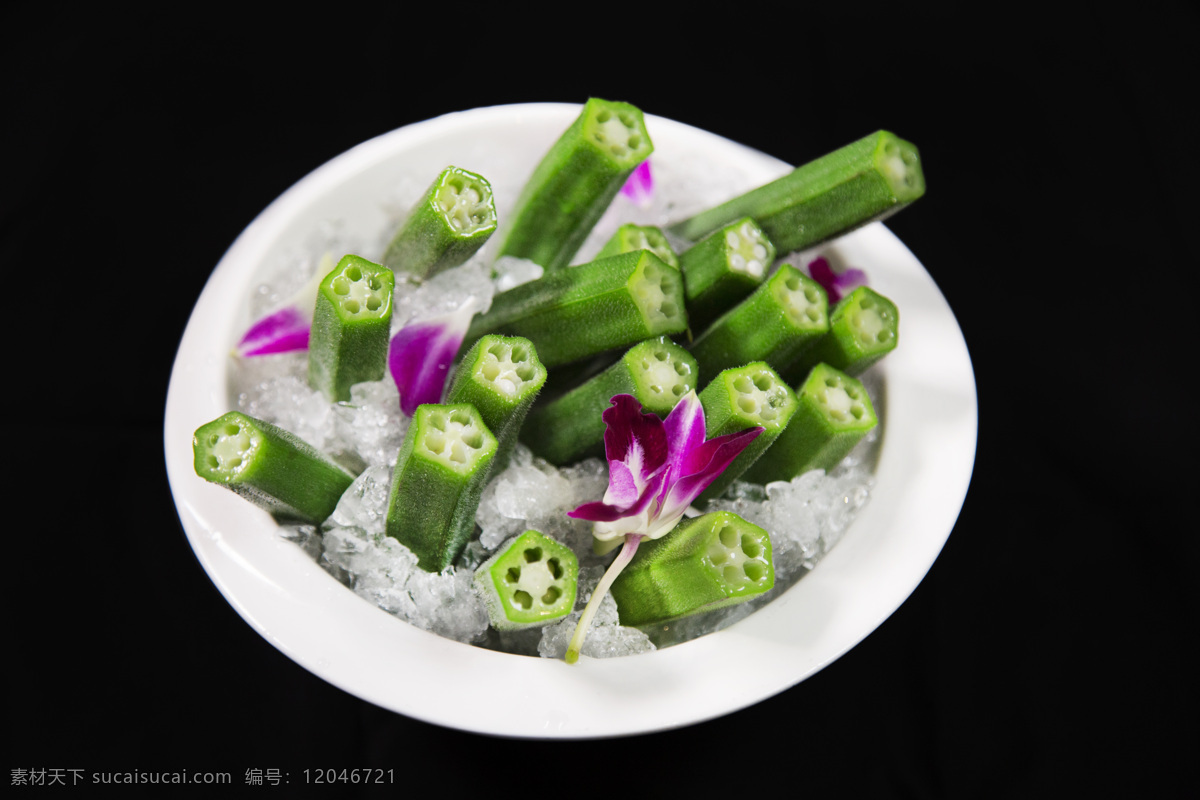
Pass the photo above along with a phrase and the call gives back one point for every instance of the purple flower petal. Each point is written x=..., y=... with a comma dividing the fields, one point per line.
x=420, y=355
x=283, y=331
x=640, y=186
x=702, y=466
x=634, y=437
x=835, y=283
x=685, y=430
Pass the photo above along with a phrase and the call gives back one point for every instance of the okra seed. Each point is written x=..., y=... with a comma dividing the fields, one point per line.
x=603, y=116
x=341, y=286
x=354, y=274
x=523, y=599
x=661, y=355
x=533, y=555
x=681, y=368
x=742, y=384
x=555, y=568
x=491, y=371
x=768, y=414
x=552, y=594
x=212, y=462
x=748, y=232
x=513, y=575
x=373, y=303
x=212, y=440
x=626, y=118
x=731, y=239
x=728, y=536
x=473, y=439
x=461, y=417
x=669, y=309
x=747, y=404
x=232, y=430
x=435, y=442
x=679, y=390
x=634, y=142
x=458, y=453
x=352, y=306
x=867, y=302
x=857, y=411
x=732, y=574
x=525, y=372
x=754, y=570
x=750, y=547
x=519, y=354
x=792, y=283
x=760, y=252
x=763, y=382
x=737, y=262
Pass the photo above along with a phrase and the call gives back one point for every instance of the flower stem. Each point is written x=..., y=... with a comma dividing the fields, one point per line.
x=632, y=540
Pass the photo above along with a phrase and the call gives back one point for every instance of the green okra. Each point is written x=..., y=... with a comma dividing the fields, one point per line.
x=271, y=467
x=501, y=376
x=657, y=372
x=446, y=227
x=575, y=182
x=777, y=323
x=863, y=327
x=867, y=180
x=742, y=398
x=709, y=562
x=631, y=236
x=573, y=313
x=833, y=414
x=528, y=584
x=722, y=268
x=351, y=327
x=440, y=473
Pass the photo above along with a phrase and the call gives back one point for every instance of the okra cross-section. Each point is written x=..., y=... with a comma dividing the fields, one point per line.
x=777, y=323
x=271, y=467
x=351, y=326
x=866, y=180
x=575, y=182
x=739, y=399
x=834, y=412
x=631, y=236
x=863, y=328
x=529, y=583
x=577, y=312
x=501, y=376
x=451, y=221
x=722, y=268
x=443, y=464
x=710, y=562
x=657, y=372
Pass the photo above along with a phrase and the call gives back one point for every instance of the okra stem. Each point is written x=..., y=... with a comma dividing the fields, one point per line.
x=574, y=313
x=739, y=399
x=866, y=180
x=450, y=222
x=833, y=414
x=269, y=466
x=351, y=327
x=500, y=376
x=709, y=562
x=440, y=473
x=575, y=182
x=722, y=268
x=778, y=321
x=657, y=372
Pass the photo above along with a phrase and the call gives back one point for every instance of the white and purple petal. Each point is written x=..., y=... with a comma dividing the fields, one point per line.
x=420, y=356
x=835, y=283
x=287, y=328
x=700, y=468
x=639, y=187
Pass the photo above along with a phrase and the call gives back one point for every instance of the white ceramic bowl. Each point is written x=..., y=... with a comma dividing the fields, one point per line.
x=924, y=467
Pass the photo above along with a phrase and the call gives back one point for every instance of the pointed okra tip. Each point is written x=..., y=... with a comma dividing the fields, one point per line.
x=873, y=321
x=453, y=436
x=803, y=300
x=224, y=449
x=842, y=400
x=359, y=290
x=618, y=130
x=657, y=290
x=900, y=165
x=509, y=365
x=464, y=201
x=529, y=583
x=758, y=396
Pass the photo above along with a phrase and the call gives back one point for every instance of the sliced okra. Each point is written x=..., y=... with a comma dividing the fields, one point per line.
x=501, y=376
x=351, y=327
x=443, y=465
x=742, y=398
x=780, y=319
x=271, y=467
x=833, y=414
x=631, y=236
x=529, y=583
x=722, y=268
x=863, y=328
x=657, y=372
x=450, y=222
x=866, y=180
x=575, y=182
x=574, y=313
x=709, y=562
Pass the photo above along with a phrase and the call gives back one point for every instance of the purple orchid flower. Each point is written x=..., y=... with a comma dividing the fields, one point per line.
x=655, y=470
x=420, y=355
x=835, y=283
x=640, y=185
x=287, y=328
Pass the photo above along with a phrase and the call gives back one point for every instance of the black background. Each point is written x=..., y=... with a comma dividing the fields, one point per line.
x=1051, y=647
